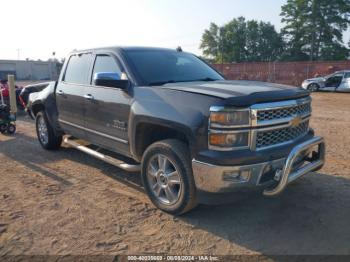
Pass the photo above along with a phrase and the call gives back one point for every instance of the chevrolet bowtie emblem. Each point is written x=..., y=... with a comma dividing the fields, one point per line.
x=296, y=121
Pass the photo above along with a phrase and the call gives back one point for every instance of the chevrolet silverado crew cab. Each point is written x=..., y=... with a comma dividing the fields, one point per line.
x=169, y=115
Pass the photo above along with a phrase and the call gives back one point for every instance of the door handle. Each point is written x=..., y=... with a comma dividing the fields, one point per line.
x=60, y=92
x=88, y=97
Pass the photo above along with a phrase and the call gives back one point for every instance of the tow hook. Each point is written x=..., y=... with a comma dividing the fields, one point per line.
x=278, y=175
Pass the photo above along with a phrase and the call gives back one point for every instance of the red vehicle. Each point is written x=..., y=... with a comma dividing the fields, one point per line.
x=4, y=88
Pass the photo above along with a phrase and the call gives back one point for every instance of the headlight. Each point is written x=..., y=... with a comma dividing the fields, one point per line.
x=227, y=117
x=229, y=141
x=223, y=118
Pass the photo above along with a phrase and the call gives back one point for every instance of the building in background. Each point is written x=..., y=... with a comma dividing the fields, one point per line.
x=29, y=69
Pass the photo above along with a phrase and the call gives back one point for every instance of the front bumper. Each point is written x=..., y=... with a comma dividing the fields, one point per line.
x=305, y=157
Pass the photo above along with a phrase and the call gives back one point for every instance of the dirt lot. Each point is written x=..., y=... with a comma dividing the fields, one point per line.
x=68, y=203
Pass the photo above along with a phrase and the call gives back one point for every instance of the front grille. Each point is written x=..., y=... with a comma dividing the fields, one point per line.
x=282, y=135
x=280, y=113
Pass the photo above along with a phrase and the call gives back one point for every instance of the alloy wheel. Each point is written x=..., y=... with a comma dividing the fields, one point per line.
x=43, y=131
x=164, y=179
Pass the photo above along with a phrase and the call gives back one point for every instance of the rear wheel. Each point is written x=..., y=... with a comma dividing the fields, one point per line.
x=167, y=176
x=45, y=133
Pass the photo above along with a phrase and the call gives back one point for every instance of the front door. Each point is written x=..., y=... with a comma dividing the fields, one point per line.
x=70, y=92
x=333, y=81
x=107, y=109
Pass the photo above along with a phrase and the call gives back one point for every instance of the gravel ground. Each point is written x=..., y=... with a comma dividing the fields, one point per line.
x=66, y=202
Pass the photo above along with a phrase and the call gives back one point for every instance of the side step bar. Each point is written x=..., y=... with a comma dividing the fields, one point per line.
x=103, y=157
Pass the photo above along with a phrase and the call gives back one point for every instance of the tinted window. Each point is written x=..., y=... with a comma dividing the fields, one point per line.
x=77, y=71
x=157, y=66
x=106, y=64
x=347, y=75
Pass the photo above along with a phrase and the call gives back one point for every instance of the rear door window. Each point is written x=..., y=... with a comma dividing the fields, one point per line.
x=78, y=69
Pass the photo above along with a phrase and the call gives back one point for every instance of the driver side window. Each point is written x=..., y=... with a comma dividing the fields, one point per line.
x=106, y=64
x=334, y=80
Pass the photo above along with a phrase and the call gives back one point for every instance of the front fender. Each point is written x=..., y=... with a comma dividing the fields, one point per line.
x=183, y=112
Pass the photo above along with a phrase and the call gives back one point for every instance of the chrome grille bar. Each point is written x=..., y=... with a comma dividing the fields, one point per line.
x=269, y=137
x=280, y=112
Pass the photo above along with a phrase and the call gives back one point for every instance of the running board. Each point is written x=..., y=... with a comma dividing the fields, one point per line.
x=103, y=157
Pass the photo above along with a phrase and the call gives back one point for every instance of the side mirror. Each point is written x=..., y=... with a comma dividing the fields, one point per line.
x=110, y=80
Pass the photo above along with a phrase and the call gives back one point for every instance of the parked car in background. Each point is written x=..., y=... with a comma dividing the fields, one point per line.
x=339, y=81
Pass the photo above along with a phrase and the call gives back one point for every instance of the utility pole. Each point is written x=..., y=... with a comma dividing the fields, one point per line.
x=18, y=53
x=222, y=48
x=313, y=33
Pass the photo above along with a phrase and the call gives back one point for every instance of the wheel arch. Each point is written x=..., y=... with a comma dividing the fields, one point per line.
x=146, y=133
x=37, y=107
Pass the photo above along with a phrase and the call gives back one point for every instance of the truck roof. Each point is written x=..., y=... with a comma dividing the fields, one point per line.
x=117, y=48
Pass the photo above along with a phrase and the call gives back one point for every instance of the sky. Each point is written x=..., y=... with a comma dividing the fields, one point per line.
x=35, y=29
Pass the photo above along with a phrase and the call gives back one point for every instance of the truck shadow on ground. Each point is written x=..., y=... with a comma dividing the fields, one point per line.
x=310, y=217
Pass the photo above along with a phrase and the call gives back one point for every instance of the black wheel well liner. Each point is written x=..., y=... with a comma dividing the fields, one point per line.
x=149, y=133
x=36, y=108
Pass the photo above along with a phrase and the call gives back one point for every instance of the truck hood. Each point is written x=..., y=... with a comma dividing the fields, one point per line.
x=240, y=93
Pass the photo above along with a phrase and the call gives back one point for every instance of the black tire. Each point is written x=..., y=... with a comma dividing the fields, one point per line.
x=52, y=142
x=313, y=87
x=11, y=129
x=178, y=155
x=3, y=128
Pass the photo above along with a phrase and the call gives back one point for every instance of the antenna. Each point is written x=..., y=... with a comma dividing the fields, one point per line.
x=179, y=49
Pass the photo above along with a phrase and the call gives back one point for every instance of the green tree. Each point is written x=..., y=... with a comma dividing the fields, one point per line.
x=240, y=40
x=314, y=29
x=211, y=42
x=263, y=43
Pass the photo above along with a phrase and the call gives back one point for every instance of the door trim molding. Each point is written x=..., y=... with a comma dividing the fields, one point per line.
x=93, y=131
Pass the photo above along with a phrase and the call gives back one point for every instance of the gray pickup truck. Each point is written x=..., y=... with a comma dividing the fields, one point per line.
x=171, y=116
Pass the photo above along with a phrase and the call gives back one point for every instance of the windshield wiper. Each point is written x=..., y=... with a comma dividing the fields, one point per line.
x=206, y=79
x=161, y=83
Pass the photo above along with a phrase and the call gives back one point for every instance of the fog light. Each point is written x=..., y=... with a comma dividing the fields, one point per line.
x=236, y=176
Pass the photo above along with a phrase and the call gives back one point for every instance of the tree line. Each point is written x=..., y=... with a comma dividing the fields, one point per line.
x=313, y=31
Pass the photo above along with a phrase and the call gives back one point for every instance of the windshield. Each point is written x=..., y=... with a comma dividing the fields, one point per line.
x=158, y=67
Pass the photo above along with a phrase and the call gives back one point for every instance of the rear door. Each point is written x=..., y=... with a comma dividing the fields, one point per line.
x=70, y=93
x=107, y=109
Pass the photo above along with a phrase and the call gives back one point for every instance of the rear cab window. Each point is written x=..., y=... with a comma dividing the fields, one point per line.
x=78, y=69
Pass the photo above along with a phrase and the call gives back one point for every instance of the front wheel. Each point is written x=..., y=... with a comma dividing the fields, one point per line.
x=313, y=87
x=11, y=129
x=45, y=133
x=167, y=176
x=3, y=128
